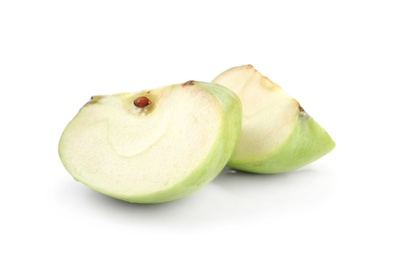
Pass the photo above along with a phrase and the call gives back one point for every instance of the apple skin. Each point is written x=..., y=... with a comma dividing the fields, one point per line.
x=304, y=142
x=206, y=171
x=307, y=143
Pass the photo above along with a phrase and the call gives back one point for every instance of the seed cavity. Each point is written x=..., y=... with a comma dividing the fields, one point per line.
x=142, y=102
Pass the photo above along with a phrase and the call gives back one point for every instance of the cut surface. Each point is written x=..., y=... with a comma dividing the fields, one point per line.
x=266, y=109
x=141, y=153
x=270, y=118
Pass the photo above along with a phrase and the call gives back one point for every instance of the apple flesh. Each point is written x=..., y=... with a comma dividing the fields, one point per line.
x=153, y=146
x=277, y=134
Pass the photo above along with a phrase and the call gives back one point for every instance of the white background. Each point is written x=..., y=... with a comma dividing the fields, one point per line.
x=337, y=58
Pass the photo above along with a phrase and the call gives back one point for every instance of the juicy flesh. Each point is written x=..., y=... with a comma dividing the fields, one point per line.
x=269, y=113
x=115, y=147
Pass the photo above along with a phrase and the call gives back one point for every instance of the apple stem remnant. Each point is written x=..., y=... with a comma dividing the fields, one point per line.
x=188, y=83
x=142, y=102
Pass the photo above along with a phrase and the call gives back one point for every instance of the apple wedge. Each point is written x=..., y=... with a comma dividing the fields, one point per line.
x=153, y=146
x=277, y=134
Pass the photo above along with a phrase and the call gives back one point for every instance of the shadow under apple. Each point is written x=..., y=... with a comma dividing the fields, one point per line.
x=233, y=194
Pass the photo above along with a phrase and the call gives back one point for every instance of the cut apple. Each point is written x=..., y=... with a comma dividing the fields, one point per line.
x=153, y=146
x=277, y=134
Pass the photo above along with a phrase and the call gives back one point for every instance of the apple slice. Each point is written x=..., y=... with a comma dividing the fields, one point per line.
x=153, y=146
x=277, y=134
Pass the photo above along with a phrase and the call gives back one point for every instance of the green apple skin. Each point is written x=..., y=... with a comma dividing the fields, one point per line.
x=307, y=143
x=215, y=160
x=263, y=146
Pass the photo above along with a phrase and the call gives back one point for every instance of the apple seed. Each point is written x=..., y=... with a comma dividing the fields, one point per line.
x=142, y=102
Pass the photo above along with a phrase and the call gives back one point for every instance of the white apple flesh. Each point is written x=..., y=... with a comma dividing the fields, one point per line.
x=153, y=146
x=277, y=134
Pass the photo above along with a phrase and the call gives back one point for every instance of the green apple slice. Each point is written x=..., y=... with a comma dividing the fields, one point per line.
x=153, y=146
x=277, y=134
